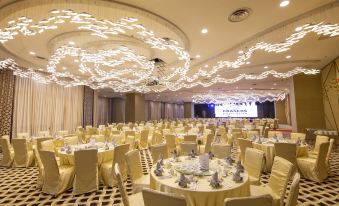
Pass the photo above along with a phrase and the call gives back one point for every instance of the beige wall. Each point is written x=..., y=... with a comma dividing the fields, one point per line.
x=280, y=112
x=306, y=102
x=188, y=110
x=330, y=88
x=139, y=107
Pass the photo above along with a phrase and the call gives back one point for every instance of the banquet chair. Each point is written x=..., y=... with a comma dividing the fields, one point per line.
x=118, y=139
x=129, y=133
x=156, y=138
x=7, y=152
x=23, y=157
x=73, y=140
x=277, y=183
x=43, y=134
x=261, y=200
x=187, y=147
x=87, y=127
x=158, y=149
x=22, y=135
x=292, y=198
x=271, y=134
x=42, y=139
x=252, y=133
x=287, y=151
x=253, y=164
x=63, y=133
x=139, y=180
x=46, y=145
x=40, y=167
x=115, y=132
x=143, y=143
x=330, y=147
x=86, y=171
x=170, y=141
x=221, y=150
x=56, y=179
x=235, y=137
x=106, y=169
x=127, y=200
x=236, y=130
x=207, y=131
x=190, y=138
x=315, y=168
x=156, y=198
x=243, y=144
x=296, y=136
x=131, y=141
x=319, y=139
x=166, y=131
x=99, y=138
x=208, y=144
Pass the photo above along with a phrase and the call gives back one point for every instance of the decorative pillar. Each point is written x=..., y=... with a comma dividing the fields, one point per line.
x=88, y=106
x=307, y=109
x=280, y=112
x=134, y=107
x=7, y=86
x=188, y=109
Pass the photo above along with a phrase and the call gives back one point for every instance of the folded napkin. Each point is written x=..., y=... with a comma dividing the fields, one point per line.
x=240, y=167
x=161, y=159
x=193, y=153
x=236, y=177
x=215, y=182
x=158, y=169
x=183, y=181
x=210, y=155
x=174, y=154
x=229, y=160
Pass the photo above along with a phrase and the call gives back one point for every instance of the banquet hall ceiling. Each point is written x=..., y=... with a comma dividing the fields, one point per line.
x=188, y=62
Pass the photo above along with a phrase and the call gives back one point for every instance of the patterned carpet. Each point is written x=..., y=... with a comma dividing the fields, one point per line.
x=18, y=187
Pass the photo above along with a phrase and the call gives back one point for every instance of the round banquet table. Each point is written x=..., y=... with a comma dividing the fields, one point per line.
x=103, y=154
x=202, y=194
x=268, y=148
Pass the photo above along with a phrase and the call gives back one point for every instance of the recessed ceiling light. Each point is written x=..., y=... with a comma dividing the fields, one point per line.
x=248, y=62
x=251, y=88
x=265, y=67
x=241, y=52
x=288, y=56
x=32, y=53
x=71, y=42
x=298, y=28
x=272, y=88
x=236, y=87
x=76, y=61
x=40, y=69
x=206, y=65
x=64, y=68
x=204, y=30
x=284, y=3
x=135, y=66
x=197, y=56
x=275, y=84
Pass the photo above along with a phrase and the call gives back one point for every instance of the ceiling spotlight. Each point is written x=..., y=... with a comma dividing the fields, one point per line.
x=134, y=65
x=204, y=30
x=206, y=65
x=265, y=67
x=71, y=42
x=32, y=53
x=251, y=88
x=76, y=61
x=64, y=68
x=275, y=84
x=272, y=88
x=288, y=57
x=284, y=3
x=197, y=56
x=236, y=87
x=248, y=62
x=241, y=52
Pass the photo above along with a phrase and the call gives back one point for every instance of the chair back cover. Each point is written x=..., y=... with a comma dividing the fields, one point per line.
x=119, y=158
x=46, y=145
x=262, y=200
x=144, y=139
x=99, y=138
x=330, y=147
x=86, y=171
x=253, y=163
x=187, y=147
x=72, y=140
x=243, y=144
x=158, y=149
x=122, y=190
x=134, y=164
x=20, y=152
x=221, y=150
x=253, y=132
x=320, y=164
x=287, y=151
x=296, y=136
x=292, y=197
x=40, y=140
x=156, y=198
x=208, y=143
x=129, y=133
x=131, y=141
x=170, y=141
x=63, y=133
x=320, y=139
x=7, y=158
x=280, y=175
x=275, y=133
x=51, y=170
x=22, y=135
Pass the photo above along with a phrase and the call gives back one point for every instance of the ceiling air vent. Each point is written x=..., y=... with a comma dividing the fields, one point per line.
x=239, y=15
x=42, y=58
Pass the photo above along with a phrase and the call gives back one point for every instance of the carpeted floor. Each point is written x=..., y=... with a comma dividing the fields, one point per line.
x=18, y=187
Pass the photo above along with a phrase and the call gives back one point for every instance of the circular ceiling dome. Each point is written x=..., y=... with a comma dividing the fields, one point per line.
x=239, y=15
